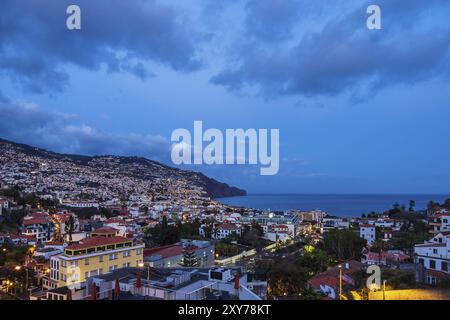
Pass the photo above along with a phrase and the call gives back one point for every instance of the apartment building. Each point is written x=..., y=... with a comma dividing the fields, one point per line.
x=39, y=226
x=94, y=256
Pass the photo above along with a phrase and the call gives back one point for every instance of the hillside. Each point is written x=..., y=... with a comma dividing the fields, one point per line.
x=46, y=171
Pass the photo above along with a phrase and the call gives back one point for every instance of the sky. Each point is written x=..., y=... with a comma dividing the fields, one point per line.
x=359, y=110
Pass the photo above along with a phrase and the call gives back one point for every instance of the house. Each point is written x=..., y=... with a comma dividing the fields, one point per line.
x=225, y=230
x=439, y=223
x=433, y=259
x=38, y=225
x=328, y=283
x=367, y=231
x=385, y=258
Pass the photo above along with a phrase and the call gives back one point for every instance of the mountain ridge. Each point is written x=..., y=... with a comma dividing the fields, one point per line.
x=212, y=187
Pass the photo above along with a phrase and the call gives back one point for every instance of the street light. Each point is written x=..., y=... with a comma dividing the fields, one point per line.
x=340, y=281
x=17, y=268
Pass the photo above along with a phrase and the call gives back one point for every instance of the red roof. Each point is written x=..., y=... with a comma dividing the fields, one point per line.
x=40, y=220
x=228, y=227
x=366, y=226
x=166, y=251
x=97, y=241
x=105, y=230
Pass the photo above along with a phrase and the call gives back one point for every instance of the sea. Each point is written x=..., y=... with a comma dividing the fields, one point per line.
x=341, y=205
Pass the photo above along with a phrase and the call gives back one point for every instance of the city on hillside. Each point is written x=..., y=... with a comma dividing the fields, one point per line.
x=70, y=232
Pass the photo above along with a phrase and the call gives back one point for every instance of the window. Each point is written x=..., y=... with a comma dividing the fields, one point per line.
x=444, y=266
x=86, y=261
x=86, y=274
x=138, y=251
x=100, y=259
x=432, y=264
x=113, y=256
x=434, y=251
x=126, y=265
x=64, y=263
x=112, y=268
x=127, y=254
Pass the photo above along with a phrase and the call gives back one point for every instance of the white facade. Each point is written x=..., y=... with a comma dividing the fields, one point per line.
x=434, y=255
x=367, y=232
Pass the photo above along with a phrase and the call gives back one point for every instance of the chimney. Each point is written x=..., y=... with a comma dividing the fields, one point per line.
x=117, y=289
x=138, y=283
x=237, y=281
x=94, y=291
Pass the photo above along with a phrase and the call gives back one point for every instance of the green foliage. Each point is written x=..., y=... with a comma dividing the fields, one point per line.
x=399, y=279
x=288, y=277
x=189, y=258
x=226, y=249
x=343, y=244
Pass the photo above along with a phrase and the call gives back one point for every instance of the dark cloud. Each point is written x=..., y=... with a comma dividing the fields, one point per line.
x=345, y=55
x=36, y=47
x=31, y=124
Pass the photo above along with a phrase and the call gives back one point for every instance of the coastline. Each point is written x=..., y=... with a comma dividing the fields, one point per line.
x=342, y=205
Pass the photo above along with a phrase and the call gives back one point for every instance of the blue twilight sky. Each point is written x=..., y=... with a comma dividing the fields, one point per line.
x=359, y=111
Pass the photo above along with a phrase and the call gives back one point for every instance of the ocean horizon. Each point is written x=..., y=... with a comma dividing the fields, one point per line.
x=342, y=205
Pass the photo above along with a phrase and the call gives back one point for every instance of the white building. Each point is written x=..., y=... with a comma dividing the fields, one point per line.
x=440, y=223
x=367, y=231
x=40, y=227
x=225, y=230
x=434, y=257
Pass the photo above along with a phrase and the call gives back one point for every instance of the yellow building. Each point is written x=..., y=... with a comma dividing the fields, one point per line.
x=96, y=255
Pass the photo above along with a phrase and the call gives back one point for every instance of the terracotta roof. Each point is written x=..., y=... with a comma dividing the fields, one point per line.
x=39, y=220
x=97, y=241
x=54, y=243
x=436, y=273
x=228, y=227
x=166, y=251
x=105, y=230
x=319, y=280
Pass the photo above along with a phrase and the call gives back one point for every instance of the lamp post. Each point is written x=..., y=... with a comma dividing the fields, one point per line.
x=340, y=281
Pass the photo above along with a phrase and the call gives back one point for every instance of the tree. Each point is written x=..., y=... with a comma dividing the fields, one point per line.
x=343, y=244
x=189, y=259
x=69, y=227
x=412, y=204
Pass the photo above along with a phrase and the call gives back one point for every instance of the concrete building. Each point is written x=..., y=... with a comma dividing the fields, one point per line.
x=94, y=256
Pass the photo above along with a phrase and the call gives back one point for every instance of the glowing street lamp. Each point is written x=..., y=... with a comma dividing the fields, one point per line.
x=340, y=281
x=17, y=268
